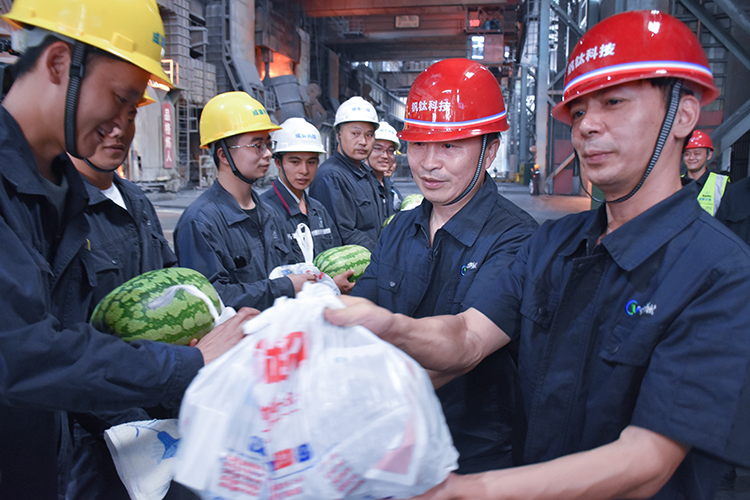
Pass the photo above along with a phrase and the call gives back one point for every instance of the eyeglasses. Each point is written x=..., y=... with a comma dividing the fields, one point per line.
x=379, y=151
x=260, y=147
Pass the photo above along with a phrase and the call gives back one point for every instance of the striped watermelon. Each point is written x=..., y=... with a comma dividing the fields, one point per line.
x=171, y=305
x=335, y=261
x=412, y=201
x=386, y=221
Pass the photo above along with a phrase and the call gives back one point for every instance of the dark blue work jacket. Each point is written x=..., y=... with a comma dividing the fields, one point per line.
x=50, y=359
x=734, y=210
x=323, y=230
x=648, y=328
x=124, y=243
x=217, y=238
x=348, y=192
x=406, y=275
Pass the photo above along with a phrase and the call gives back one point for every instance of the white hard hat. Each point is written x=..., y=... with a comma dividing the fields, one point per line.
x=297, y=135
x=386, y=132
x=356, y=109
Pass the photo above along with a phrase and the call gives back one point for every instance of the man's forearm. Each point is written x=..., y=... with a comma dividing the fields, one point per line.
x=637, y=465
x=450, y=345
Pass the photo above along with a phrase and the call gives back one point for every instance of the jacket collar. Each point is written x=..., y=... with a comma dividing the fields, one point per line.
x=360, y=169
x=232, y=211
x=638, y=239
x=466, y=225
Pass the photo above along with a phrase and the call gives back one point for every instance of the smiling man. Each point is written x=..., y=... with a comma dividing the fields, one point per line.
x=228, y=234
x=345, y=184
x=73, y=88
x=382, y=161
x=297, y=150
x=634, y=372
x=698, y=152
x=440, y=257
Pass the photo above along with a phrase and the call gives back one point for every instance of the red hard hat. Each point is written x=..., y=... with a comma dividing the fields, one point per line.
x=631, y=46
x=453, y=99
x=700, y=140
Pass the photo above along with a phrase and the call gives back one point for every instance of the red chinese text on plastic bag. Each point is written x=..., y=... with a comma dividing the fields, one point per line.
x=302, y=409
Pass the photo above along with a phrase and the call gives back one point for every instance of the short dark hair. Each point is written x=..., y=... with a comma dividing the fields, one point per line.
x=30, y=57
x=665, y=85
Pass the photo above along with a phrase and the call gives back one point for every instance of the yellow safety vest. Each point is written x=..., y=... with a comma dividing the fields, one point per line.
x=710, y=196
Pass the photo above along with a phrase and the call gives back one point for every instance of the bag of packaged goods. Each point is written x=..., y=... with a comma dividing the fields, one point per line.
x=302, y=409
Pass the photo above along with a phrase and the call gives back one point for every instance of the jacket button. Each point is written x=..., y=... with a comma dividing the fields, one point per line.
x=613, y=350
x=542, y=311
x=392, y=284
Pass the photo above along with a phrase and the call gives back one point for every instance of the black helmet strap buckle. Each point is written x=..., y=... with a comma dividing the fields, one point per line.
x=476, y=173
x=76, y=72
x=230, y=160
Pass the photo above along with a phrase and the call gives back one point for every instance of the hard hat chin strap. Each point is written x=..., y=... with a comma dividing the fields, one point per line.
x=225, y=148
x=666, y=127
x=476, y=174
x=77, y=70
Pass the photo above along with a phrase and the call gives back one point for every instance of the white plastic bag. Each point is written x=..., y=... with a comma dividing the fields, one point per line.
x=305, y=268
x=302, y=409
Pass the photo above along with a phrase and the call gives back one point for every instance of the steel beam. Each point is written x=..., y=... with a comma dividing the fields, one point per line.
x=542, y=73
x=731, y=129
x=716, y=30
x=523, y=152
x=738, y=16
x=566, y=19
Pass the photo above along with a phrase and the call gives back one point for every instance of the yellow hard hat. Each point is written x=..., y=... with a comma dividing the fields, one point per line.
x=145, y=100
x=232, y=113
x=129, y=29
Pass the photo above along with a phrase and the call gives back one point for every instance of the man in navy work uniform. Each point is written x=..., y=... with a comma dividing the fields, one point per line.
x=382, y=160
x=734, y=211
x=228, y=234
x=126, y=240
x=634, y=372
x=51, y=360
x=344, y=184
x=297, y=150
x=433, y=260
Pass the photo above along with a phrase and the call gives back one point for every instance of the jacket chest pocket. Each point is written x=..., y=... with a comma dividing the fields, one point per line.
x=389, y=279
x=104, y=272
x=539, y=308
x=630, y=344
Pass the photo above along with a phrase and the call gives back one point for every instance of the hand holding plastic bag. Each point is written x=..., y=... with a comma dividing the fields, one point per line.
x=302, y=409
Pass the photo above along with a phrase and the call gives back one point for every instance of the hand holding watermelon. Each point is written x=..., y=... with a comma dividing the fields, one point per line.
x=342, y=281
x=338, y=260
x=225, y=336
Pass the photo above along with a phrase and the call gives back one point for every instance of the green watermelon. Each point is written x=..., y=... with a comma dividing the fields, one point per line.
x=335, y=261
x=385, y=223
x=412, y=201
x=171, y=305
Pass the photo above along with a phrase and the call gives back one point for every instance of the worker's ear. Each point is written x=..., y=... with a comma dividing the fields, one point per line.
x=710, y=154
x=687, y=116
x=491, y=152
x=55, y=61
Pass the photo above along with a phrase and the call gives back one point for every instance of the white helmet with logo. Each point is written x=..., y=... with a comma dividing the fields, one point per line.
x=297, y=135
x=386, y=132
x=356, y=109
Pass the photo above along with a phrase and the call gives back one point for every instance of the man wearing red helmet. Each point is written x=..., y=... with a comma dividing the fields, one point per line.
x=440, y=257
x=634, y=372
x=696, y=156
